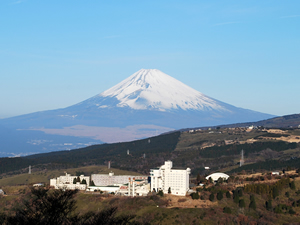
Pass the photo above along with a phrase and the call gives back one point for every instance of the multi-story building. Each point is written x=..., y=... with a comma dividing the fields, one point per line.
x=111, y=179
x=67, y=182
x=166, y=178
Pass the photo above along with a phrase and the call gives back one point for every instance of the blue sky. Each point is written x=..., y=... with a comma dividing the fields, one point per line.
x=57, y=53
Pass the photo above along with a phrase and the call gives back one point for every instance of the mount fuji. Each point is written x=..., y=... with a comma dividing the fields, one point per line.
x=147, y=103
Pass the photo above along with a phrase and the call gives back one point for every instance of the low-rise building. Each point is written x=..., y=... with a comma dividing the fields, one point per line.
x=168, y=179
x=112, y=179
x=216, y=176
x=67, y=182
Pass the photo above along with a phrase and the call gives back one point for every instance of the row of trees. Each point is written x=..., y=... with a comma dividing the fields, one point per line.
x=43, y=206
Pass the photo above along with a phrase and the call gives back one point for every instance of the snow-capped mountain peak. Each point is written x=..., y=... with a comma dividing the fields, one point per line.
x=153, y=89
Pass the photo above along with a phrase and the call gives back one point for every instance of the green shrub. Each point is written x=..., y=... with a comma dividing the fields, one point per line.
x=160, y=193
x=211, y=197
x=195, y=195
x=228, y=195
x=242, y=203
x=227, y=210
x=220, y=195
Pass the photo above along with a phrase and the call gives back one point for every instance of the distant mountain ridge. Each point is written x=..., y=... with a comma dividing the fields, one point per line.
x=147, y=103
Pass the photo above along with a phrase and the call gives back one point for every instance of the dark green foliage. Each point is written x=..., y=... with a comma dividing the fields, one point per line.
x=46, y=207
x=226, y=210
x=83, y=181
x=75, y=180
x=240, y=192
x=78, y=179
x=252, y=204
x=287, y=194
x=161, y=145
x=198, y=178
x=275, y=192
x=105, y=217
x=278, y=209
x=236, y=197
x=220, y=180
x=228, y=195
x=160, y=193
x=271, y=190
x=228, y=150
x=269, y=205
x=220, y=195
x=43, y=206
x=92, y=183
x=268, y=165
x=242, y=203
x=283, y=208
x=195, y=195
x=292, y=212
x=169, y=190
x=292, y=185
x=211, y=197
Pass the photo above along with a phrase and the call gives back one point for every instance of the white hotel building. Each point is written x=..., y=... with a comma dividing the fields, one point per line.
x=165, y=177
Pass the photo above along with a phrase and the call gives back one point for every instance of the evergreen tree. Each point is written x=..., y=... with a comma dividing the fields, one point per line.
x=211, y=197
x=92, y=183
x=83, y=181
x=74, y=181
x=195, y=195
x=198, y=178
x=242, y=203
x=275, y=192
x=236, y=197
x=269, y=205
x=252, y=204
x=228, y=195
x=226, y=210
x=169, y=190
x=220, y=195
x=240, y=192
x=78, y=179
x=160, y=193
x=292, y=185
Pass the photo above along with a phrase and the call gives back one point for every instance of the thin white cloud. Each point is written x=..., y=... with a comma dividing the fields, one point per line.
x=291, y=16
x=225, y=23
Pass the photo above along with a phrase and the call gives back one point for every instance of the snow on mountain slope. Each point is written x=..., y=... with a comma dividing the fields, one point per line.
x=154, y=90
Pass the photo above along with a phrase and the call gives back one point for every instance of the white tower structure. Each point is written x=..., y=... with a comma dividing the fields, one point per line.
x=29, y=170
x=127, y=151
x=108, y=165
x=165, y=177
x=242, y=158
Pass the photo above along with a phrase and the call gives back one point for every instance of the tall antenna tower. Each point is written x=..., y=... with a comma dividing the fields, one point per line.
x=144, y=156
x=29, y=171
x=242, y=158
x=108, y=165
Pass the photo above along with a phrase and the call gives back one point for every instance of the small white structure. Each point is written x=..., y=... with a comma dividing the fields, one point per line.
x=275, y=173
x=206, y=167
x=108, y=189
x=165, y=177
x=66, y=182
x=216, y=176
